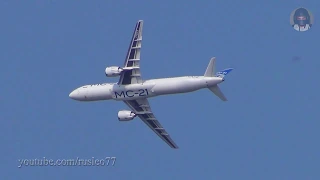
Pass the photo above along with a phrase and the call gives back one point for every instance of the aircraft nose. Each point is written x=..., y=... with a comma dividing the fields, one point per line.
x=74, y=94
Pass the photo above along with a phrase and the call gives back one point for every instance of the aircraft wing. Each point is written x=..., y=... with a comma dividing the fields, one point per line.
x=131, y=74
x=142, y=108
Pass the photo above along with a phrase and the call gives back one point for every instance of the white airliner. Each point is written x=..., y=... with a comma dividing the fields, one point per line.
x=134, y=91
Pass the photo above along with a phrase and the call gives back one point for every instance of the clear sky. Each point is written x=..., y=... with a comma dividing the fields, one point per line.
x=269, y=128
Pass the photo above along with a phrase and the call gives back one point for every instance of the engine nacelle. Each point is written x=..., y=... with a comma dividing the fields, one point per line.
x=113, y=71
x=126, y=115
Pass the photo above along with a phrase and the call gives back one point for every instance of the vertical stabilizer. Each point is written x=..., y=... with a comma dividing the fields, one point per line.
x=223, y=73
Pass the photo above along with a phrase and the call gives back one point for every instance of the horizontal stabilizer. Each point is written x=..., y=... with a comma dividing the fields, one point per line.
x=216, y=90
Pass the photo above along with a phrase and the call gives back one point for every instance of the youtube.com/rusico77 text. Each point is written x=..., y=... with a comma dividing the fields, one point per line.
x=107, y=161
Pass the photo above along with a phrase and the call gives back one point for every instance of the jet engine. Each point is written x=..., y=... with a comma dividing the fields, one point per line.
x=126, y=115
x=113, y=71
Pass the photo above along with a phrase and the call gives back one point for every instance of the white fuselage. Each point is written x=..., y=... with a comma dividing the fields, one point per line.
x=147, y=89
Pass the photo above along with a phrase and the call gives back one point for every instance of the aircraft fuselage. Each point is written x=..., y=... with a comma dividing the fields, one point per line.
x=147, y=89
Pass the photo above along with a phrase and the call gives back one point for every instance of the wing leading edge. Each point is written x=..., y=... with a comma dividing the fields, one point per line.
x=131, y=74
x=142, y=108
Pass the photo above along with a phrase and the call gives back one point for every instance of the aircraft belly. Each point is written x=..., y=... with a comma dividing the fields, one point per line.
x=97, y=93
x=176, y=87
x=132, y=91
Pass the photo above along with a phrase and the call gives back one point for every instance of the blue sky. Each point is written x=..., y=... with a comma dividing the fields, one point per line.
x=269, y=128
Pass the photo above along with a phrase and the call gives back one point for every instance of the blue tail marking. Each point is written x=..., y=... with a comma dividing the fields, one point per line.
x=223, y=72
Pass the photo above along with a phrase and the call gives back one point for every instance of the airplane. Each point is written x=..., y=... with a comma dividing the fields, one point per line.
x=134, y=91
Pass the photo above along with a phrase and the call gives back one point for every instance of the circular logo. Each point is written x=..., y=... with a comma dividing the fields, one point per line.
x=301, y=19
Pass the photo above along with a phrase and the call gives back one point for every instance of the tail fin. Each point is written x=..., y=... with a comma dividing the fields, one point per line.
x=223, y=73
x=216, y=90
x=210, y=72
